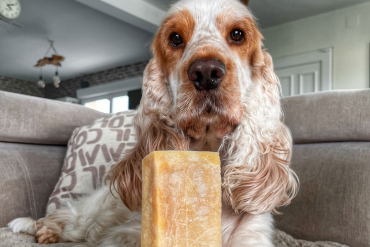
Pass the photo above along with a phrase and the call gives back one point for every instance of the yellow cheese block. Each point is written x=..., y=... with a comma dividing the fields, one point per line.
x=181, y=199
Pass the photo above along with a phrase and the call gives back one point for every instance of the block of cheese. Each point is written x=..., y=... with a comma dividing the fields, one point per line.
x=181, y=204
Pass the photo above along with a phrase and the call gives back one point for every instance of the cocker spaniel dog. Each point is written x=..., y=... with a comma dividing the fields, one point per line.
x=209, y=87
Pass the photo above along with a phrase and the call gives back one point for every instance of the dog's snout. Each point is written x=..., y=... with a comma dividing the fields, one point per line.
x=206, y=74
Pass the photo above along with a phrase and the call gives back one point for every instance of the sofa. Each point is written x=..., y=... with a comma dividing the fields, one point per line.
x=331, y=156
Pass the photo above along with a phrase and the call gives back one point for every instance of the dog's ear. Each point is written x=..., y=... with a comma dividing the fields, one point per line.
x=155, y=130
x=257, y=177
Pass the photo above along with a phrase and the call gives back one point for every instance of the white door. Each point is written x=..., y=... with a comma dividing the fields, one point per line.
x=305, y=73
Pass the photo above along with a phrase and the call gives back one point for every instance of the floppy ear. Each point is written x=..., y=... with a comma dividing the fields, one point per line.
x=155, y=130
x=256, y=176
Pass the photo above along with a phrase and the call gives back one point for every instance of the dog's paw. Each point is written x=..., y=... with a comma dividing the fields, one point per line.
x=45, y=235
x=27, y=225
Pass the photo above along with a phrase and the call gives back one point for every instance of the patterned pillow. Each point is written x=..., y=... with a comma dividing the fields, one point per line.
x=92, y=150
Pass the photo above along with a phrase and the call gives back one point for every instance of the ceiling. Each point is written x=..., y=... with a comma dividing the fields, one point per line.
x=283, y=11
x=275, y=12
x=95, y=35
x=163, y=4
x=90, y=40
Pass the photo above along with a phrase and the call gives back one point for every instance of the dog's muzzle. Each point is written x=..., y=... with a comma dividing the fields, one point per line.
x=206, y=74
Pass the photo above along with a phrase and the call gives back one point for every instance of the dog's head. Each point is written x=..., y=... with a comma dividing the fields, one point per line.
x=209, y=73
x=207, y=50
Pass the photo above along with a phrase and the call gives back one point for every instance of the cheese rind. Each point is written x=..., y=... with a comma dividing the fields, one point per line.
x=181, y=203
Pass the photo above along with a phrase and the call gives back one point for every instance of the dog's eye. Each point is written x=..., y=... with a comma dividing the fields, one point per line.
x=237, y=35
x=176, y=40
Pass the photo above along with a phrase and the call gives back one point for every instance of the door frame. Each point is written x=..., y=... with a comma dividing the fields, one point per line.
x=324, y=56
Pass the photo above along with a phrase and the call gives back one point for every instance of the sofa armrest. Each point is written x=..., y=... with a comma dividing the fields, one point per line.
x=26, y=119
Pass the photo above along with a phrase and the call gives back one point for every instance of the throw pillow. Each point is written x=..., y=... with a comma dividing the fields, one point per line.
x=92, y=150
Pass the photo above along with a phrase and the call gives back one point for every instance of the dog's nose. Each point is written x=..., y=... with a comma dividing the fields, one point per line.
x=206, y=74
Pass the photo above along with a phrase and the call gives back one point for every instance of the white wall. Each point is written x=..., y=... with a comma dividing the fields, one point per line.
x=351, y=45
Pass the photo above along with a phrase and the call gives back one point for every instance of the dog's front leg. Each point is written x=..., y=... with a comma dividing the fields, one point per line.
x=246, y=230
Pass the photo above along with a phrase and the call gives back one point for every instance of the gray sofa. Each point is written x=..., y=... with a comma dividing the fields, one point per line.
x=331, y=156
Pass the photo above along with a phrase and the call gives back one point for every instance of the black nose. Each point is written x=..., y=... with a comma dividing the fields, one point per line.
x=206, y=74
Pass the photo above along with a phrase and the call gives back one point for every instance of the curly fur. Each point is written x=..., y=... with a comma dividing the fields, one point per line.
x=256, y=173
x=241, y=120
x=257, y=178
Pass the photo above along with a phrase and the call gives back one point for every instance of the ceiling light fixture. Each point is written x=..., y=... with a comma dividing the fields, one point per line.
x=56, y=79
x=40, y=83
x=55, y=60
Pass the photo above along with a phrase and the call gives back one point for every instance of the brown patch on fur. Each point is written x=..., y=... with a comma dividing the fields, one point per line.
x=46, y=234
x=249, y=50
x=168, y=56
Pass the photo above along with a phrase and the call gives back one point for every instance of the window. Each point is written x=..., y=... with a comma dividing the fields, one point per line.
x=102, y=105
x=112, y=97
x=120, y=104
x=111, y=104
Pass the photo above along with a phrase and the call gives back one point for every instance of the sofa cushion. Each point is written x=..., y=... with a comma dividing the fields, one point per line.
x=26, y=119
x=333, y=202
x=92, y=150
x=329, y=116
x=27, y=178
x=281, y=239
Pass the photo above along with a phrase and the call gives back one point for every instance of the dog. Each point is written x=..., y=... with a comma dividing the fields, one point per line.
x=210, y=86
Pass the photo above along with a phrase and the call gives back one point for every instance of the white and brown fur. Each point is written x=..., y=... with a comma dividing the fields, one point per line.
x=241, y=120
